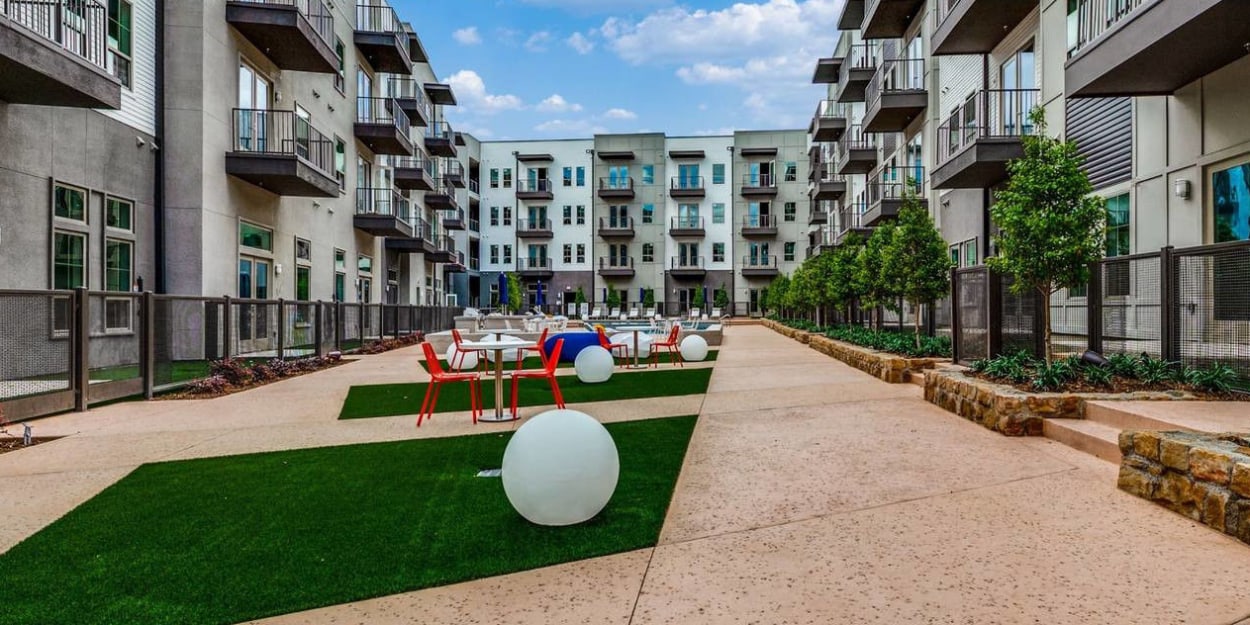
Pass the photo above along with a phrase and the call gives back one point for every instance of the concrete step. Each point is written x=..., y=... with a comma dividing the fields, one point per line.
x=916, y=377
x=1097, y=439
x=1107, y=413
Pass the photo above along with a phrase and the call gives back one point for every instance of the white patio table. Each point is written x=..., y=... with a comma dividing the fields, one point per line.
x=498, y=345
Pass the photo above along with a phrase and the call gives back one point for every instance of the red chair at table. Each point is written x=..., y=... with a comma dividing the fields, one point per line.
x=460, y=352
x=439, y=377
x=671, y=344
x=542, y=353
x=612, y=347
x=548, y=372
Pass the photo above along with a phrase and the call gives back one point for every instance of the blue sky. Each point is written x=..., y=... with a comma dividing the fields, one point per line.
x=544, y=69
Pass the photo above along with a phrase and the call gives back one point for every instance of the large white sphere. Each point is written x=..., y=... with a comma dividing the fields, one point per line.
x=594, y=365
x=627, y=339
x=453, y=359
x=693, y=348
x=560, y=468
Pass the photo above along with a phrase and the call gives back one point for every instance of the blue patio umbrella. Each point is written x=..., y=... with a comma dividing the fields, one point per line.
x=539, y=298
x=503, y=289
x=642, y=294
x=705, y=300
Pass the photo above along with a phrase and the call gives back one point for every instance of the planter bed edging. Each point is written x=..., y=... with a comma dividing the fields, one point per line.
x=885, y=366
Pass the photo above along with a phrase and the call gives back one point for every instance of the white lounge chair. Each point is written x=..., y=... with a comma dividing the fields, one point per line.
x=596, y=313
x=695, y=313
x=633, y=313
x=716, y=313
x=615, y=314
x=649, y=313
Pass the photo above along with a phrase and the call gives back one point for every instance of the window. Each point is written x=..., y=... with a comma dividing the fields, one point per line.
x=791, y=211
x=340, y=77
x=954, y=255
x=340, y=162
x=494, y=254
x=568, y=215
x=494, y=178
x=507, y=215
x=581, y=252
x=1230, y=197
x=718, y=213
x=568, y=253
x=364, y=264
x=70, y=203
x=792, y=171
x=648, y=213
x=118, y=265
x=718, y=173
x=970, y=253
x=303, y=286
x=789, y=251
x=119, y=40
x=119, y=214
x=340, y=277
x=494, y=215
x=581, y=215
x=69, y=260
x=648, y=174
x=507, y=254
x=568, y=176
x=648, y=252
x=581, y=176
x=1118, y=226
x=255, y=237
x=718, y=252
x=303, y=250
x=507, y=178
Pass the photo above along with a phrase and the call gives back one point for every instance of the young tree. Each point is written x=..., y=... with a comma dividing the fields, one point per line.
x=916, y=258
x=648, y=298
x=580, y=297
x=841, y=283
x=878, y=288
x=1050, y=226
x=721, y=300
x=698, y=300
x=515, y=300
x=614, y=298
x=775, y=298
x=804, y=293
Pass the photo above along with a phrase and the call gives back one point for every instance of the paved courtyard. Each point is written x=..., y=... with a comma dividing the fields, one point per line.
x=811, y=493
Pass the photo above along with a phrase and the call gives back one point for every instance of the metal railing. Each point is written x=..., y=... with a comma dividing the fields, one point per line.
x=855, y=139
x=616, y=262
x=375, y=201
x=861, y=55
x=686, y=223
x=282, y=133
x=475, y=225
x=475, y=264
x=384, y=112
x=537, y=263
x=988, y=114
x=440, y=130
x=1095, y=17
x=945, y=8
x=380, y=18
x=445, y=243
x=534, y=225
x=831, y=109
x=474, y=186
x=909, y=175
x=691, y=183
x=315, y=12
x=759, y=181
x=452, y=167
x=759, y=222
x=418, y=160
x=534, y=186
x=621, y=183
x=827, y=172
x=895, y=75
x=616, y=222
x=80, y=27
x=759, y=261
x=401, y=87
x=687, y=262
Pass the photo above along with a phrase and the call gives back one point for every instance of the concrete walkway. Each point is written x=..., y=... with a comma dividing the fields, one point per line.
x=811, y=493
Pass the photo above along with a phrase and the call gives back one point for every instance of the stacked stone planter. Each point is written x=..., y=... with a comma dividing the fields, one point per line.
x=889, y=367
x=1205, y=477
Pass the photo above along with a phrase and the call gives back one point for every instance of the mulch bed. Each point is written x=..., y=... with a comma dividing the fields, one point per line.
x=1118, y=385
x=184, y=393
x=15, y=444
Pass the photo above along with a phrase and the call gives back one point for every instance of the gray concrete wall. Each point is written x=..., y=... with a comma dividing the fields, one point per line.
x=649, y=149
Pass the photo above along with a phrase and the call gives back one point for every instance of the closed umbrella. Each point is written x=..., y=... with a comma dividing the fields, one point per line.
x=539, y=300
x=705, y=299
x=503, y=290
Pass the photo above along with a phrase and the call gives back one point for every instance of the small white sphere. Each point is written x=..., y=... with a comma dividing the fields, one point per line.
x=453, y=358
x=693, y=348
x=594, y=365
x=560, y=468
x=627, y=339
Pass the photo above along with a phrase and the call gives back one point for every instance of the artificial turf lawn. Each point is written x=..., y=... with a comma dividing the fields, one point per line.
x=224, y=540
x=534, y=362
x=390, y=400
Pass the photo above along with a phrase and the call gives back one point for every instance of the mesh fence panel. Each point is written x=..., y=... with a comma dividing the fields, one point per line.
x=353, y=326
x=1019, y=324
x=329, y=321
x=35, y=346
x=971, y=293
x=942, y=317
x=299, y=335
x=189, y=335
x=1069, y=321
x=115, y=330
x=1212, y=313
x=255, y=329
x=1131, y=298
x=404, y=318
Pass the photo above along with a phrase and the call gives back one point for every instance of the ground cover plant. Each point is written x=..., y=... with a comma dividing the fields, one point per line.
x=225, y=540
x=1123, y=373
x=892, y=341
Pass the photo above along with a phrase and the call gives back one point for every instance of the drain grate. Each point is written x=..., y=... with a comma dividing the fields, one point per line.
x=490, y=473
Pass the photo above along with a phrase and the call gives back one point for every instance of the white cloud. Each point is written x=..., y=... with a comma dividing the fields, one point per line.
x=538, y=41
x=467, y=36
x=581, y=43
x=570, y=127
x=597, y=6
x=618, y=113
x=557, y=104
x=470, y=89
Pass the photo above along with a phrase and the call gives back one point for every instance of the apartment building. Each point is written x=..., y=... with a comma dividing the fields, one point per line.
x=78, y=155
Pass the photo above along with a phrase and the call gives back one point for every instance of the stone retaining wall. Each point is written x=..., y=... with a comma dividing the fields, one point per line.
x=1010, y=411
x=1205, y=477
x=889, y=367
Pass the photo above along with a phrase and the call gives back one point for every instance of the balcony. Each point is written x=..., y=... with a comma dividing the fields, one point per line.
x=857, y=70
x=686, y=227
x=759, y=185
x=827, y=70
x=537, y=267
x=456, y=264
x=759, y=226
x=383, y=126
x=281, y=153
x=887, y=194
x=534, y=229
x=297, y=35
x=382, y=39
x=760, y=266
x=888, y=19
x=475, y=187
x=1152, y=47
x=851, y=224
x=411, y=99
x=440, y=140
x=976, y=26
x=857, y=152
x=454, y=221
x=616, y=188
x=616, y=267
x=412, y=173
x=475, y=225
x=978, y=140
x=421, y=241
x=852, y=15
x=829, y=121
x=829, y=185
x=618, y=227
x=382, y=213
x=687, y=267
x=453, y=173
x=683, y=187
x=442, y=197
x=56, y=54
x=440, y=93
x=896, y=95
x=818, y=214
x=444, y=251
x=537, y=189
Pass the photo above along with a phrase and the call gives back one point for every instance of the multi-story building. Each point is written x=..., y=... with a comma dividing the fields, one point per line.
x=770, y=183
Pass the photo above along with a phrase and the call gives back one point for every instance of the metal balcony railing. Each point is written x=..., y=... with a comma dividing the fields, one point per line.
x=893, y=188
x=446, y=244
x=759, y=221
x=401, y=87
x=945, y=8
x=422, y=229
x=536, y=263
x=1094, y=17
x=759, y=181
x=376, y=201
x=282, y=133
x=452, y=167
x=988, y=114
x=382, y=111
x=687, y=223
x=315, y=11
x=861, y=55
x=856, y=139
x=760, y=261
x=827, y=172
x=474, y=186
x=895, y=75
x=475, y=225
x=379, y=18
x=688, y=262
x=534, y=186
x=616, y=262
x=616, y=222
x=534, y=225
x=687, y=183
x=80, y=27
x=418, y=161
x=620, y=183
x=475, y=264
x=831, y=109
x=440, y=130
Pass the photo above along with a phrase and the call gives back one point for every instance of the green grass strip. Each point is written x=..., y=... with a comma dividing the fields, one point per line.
x=390, y=400
x=534, y=362
x=224, y=540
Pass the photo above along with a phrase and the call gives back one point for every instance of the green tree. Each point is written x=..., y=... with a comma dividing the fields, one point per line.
x=877, y=286
x=721, y=300
x=515, y=299
x=698, y=300
x=916, y=258
x=1050, y=226
x=648, y=298
x=614, y=298
x=775, y=299
x=843, y=290
x=580, y=297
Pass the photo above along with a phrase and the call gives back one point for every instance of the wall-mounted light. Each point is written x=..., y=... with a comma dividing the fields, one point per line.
x=1181, y=188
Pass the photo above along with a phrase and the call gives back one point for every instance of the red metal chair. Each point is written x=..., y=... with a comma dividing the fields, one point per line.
x=542, y=353
x=548, y=372
x=671, y=344
x=460, y=352
x=612, y=347
x=439, y=377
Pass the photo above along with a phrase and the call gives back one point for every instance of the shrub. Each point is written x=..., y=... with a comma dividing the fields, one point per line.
x=212, y=385
x=1099, y=376
x=1217, y=378
x=234, y=372
x=1152, y=370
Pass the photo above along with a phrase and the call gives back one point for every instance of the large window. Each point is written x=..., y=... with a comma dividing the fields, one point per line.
x=255, y=237
x=69, y=260
x=791, y=211
x=718, y=213
x=718, y=173
x=118, y=265
x=648, y=252
x=340, y=275
x=1230, y=196
x=70, y=203
x=119, y=40
x=119, y=214
x=648, y=174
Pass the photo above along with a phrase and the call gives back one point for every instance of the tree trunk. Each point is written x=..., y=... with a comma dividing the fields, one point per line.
x=916, y=317
x=1045, y=304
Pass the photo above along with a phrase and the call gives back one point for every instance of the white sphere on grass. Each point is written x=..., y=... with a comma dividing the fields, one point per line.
x=693, y=348
x=594, y=365
x=560, y=468
x=453, y=358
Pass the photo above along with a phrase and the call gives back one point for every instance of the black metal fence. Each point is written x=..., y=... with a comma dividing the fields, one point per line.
x=1189, y=305
x=66, y=350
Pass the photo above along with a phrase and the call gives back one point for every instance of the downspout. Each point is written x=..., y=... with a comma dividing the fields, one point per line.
x=987, y=194
x=158, y=184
